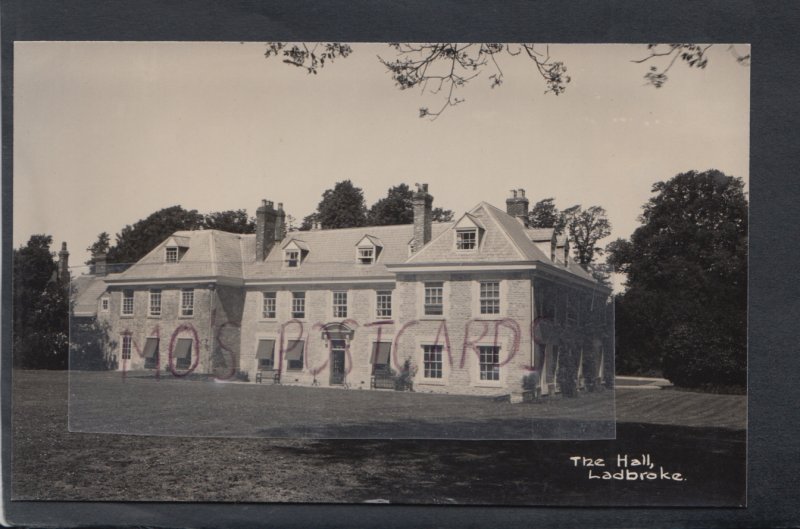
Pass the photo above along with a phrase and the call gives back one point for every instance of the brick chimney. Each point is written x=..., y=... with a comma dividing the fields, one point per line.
x=100, y=263
x=280, y=223
x=423, y=217
x=266, y=229
x=63, y=264
x=517, y=205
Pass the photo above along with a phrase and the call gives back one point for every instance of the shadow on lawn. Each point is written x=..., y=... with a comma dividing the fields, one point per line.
x=500, y=428
x=541, y=472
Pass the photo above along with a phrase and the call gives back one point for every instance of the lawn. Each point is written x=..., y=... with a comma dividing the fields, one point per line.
x=106, y=403
x=49, y=462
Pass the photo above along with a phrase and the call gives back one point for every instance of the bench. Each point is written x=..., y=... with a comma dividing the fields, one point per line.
x=275, y=375
x=382, y=381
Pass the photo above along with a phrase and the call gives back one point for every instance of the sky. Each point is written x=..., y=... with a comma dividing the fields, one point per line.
x=106, y=133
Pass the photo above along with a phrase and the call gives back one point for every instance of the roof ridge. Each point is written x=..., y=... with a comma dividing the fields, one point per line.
x=212, y=251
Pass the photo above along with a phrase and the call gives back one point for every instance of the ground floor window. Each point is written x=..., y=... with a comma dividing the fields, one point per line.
x=151, y=353
x=183, y=353
x=266, y=354
x=126, y=346
x=294, y=355
x=489, y=358
x=381, y=353
x=432, y=361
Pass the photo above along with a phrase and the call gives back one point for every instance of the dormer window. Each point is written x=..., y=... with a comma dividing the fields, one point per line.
x=175, y=248
x=292, y=258
x=368, y=249
x=366, y=256
x=468, y=232
x=467, y=239
x=294, y=251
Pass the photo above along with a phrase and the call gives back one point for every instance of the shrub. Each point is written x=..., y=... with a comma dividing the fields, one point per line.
x=698, y=355
x=530, y=382
x=404, y=380
x=568, y=372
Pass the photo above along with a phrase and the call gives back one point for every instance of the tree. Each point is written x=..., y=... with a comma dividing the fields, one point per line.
x=443, y=68
x=544, y=214
x=342, y=207
x=134, y=242
x=441, y=215
x=40, y=301
x=394, y=208
x=586, y=227
x=233, y=221
x=686, y=282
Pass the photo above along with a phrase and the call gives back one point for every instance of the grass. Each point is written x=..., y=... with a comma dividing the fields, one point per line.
x=51, y=463
x=104, y=402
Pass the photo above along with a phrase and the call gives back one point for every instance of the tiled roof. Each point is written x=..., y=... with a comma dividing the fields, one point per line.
x=86, y=291
x=539, y=234
x=210, y=253
x=332, y=254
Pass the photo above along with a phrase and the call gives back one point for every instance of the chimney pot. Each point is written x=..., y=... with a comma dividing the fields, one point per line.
x=517, y=205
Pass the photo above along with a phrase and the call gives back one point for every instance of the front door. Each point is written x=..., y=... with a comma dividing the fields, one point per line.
x=337, y=361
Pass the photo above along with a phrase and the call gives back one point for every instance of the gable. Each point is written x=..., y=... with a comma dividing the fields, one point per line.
x=495, y=245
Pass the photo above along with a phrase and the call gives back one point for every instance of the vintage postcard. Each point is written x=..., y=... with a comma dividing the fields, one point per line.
x=420, y=273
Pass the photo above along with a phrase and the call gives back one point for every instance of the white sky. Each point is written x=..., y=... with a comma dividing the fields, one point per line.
x=106, y=133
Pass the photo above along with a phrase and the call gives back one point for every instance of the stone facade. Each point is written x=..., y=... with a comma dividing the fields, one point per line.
x=463, y=314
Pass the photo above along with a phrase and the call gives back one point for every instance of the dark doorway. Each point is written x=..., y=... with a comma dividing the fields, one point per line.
x=338, y=348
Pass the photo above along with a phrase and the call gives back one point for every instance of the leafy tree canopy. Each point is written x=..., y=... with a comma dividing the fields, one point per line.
x=586, y=227
x=342, y=207
x=395, y=208
x=544, y=214
x=233, y=221
x=40, y=301
x=686, y=266
x=135, y=241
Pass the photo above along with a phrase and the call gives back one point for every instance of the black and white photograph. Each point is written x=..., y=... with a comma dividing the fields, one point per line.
x=417, y=273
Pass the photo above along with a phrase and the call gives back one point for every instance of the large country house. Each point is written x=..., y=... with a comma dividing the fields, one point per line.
x=469, y=306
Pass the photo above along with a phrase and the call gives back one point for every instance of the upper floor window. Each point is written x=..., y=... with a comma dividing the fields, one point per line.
x=292, y=258
x=434, y=299
x=366, y=256
x=269, y=305
x=368, y=249
x=155, y=303
x=468, y=232
x=104, y=304
x=490, y=297
x=298, y=304
x=294, y=252
x=127, y=302
x=172, y=254
x=467, y=239
x=383, y=304
x=187, y=302
x=340, y=304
